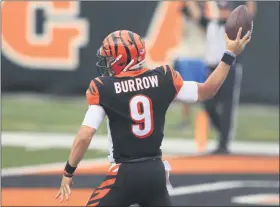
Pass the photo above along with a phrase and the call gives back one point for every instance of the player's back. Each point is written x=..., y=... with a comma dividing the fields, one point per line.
x=136, y=103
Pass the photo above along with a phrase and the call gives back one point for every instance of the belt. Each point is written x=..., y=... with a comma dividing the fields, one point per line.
x=142, y=159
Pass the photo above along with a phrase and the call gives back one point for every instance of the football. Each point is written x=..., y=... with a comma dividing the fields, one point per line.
x=239, y=17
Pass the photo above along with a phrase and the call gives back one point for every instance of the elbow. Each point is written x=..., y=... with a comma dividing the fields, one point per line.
x=86, y=138
x=86, y=133
x=206, y=93
x=210, y=96
x=206, y=97
x=212, y=93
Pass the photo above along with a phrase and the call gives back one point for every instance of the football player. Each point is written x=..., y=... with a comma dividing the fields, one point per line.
x=135, y=100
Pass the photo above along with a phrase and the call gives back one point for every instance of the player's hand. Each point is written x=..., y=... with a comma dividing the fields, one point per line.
x=237, y=46
x=64, y=191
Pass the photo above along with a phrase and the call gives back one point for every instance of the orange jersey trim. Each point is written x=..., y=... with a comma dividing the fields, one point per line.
x=92, y=94
x=177, y=80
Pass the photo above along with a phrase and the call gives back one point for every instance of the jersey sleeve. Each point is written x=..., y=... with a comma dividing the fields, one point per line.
x=177, y=79
x=92, y=94
x=188, y=92
x=94, y=116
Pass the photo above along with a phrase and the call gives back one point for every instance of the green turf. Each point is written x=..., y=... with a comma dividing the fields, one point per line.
x=19, y=156
x=34, y=114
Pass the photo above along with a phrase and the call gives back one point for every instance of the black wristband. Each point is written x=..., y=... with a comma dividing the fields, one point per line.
x=228, y=58
x=69, y=170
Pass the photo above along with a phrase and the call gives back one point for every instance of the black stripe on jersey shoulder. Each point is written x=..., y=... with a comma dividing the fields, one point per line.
x=172, y=71
x=164, y=73
x=104, y=84
x=164, y=70
x=100, y=81
x=90, y=90
x=94, y=80
x=168, y=68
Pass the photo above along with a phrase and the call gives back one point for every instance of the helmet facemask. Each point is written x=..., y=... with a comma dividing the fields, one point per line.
x=104, y=65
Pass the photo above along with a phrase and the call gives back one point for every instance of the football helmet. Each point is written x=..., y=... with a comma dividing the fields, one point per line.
x=120, y=51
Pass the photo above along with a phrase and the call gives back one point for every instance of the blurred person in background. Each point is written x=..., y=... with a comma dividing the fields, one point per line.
x=189, y=61
x=222, y=109
x=189, y=55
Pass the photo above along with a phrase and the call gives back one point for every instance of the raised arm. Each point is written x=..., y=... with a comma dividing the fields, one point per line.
x=193, y=91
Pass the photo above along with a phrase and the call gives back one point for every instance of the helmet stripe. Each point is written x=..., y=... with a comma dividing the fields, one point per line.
x=112, y=49
x=109, y=46
x=126, y=49
x=104, y=49
x=141, y=41
x=131, y=35
x=115, y=40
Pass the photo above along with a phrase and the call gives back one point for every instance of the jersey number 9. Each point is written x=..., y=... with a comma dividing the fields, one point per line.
x=141, y=112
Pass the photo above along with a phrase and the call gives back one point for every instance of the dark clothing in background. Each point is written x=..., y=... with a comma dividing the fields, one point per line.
x=222, y=107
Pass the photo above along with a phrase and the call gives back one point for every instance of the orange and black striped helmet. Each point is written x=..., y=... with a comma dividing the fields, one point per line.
x=121, y=51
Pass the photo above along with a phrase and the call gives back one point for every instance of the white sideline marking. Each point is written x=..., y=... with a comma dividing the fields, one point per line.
x=26, y=170
x=258, y=199
x=223, y=185
x=206, y=187
x=35, y=141
x=178, y=146
x=44, y=167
